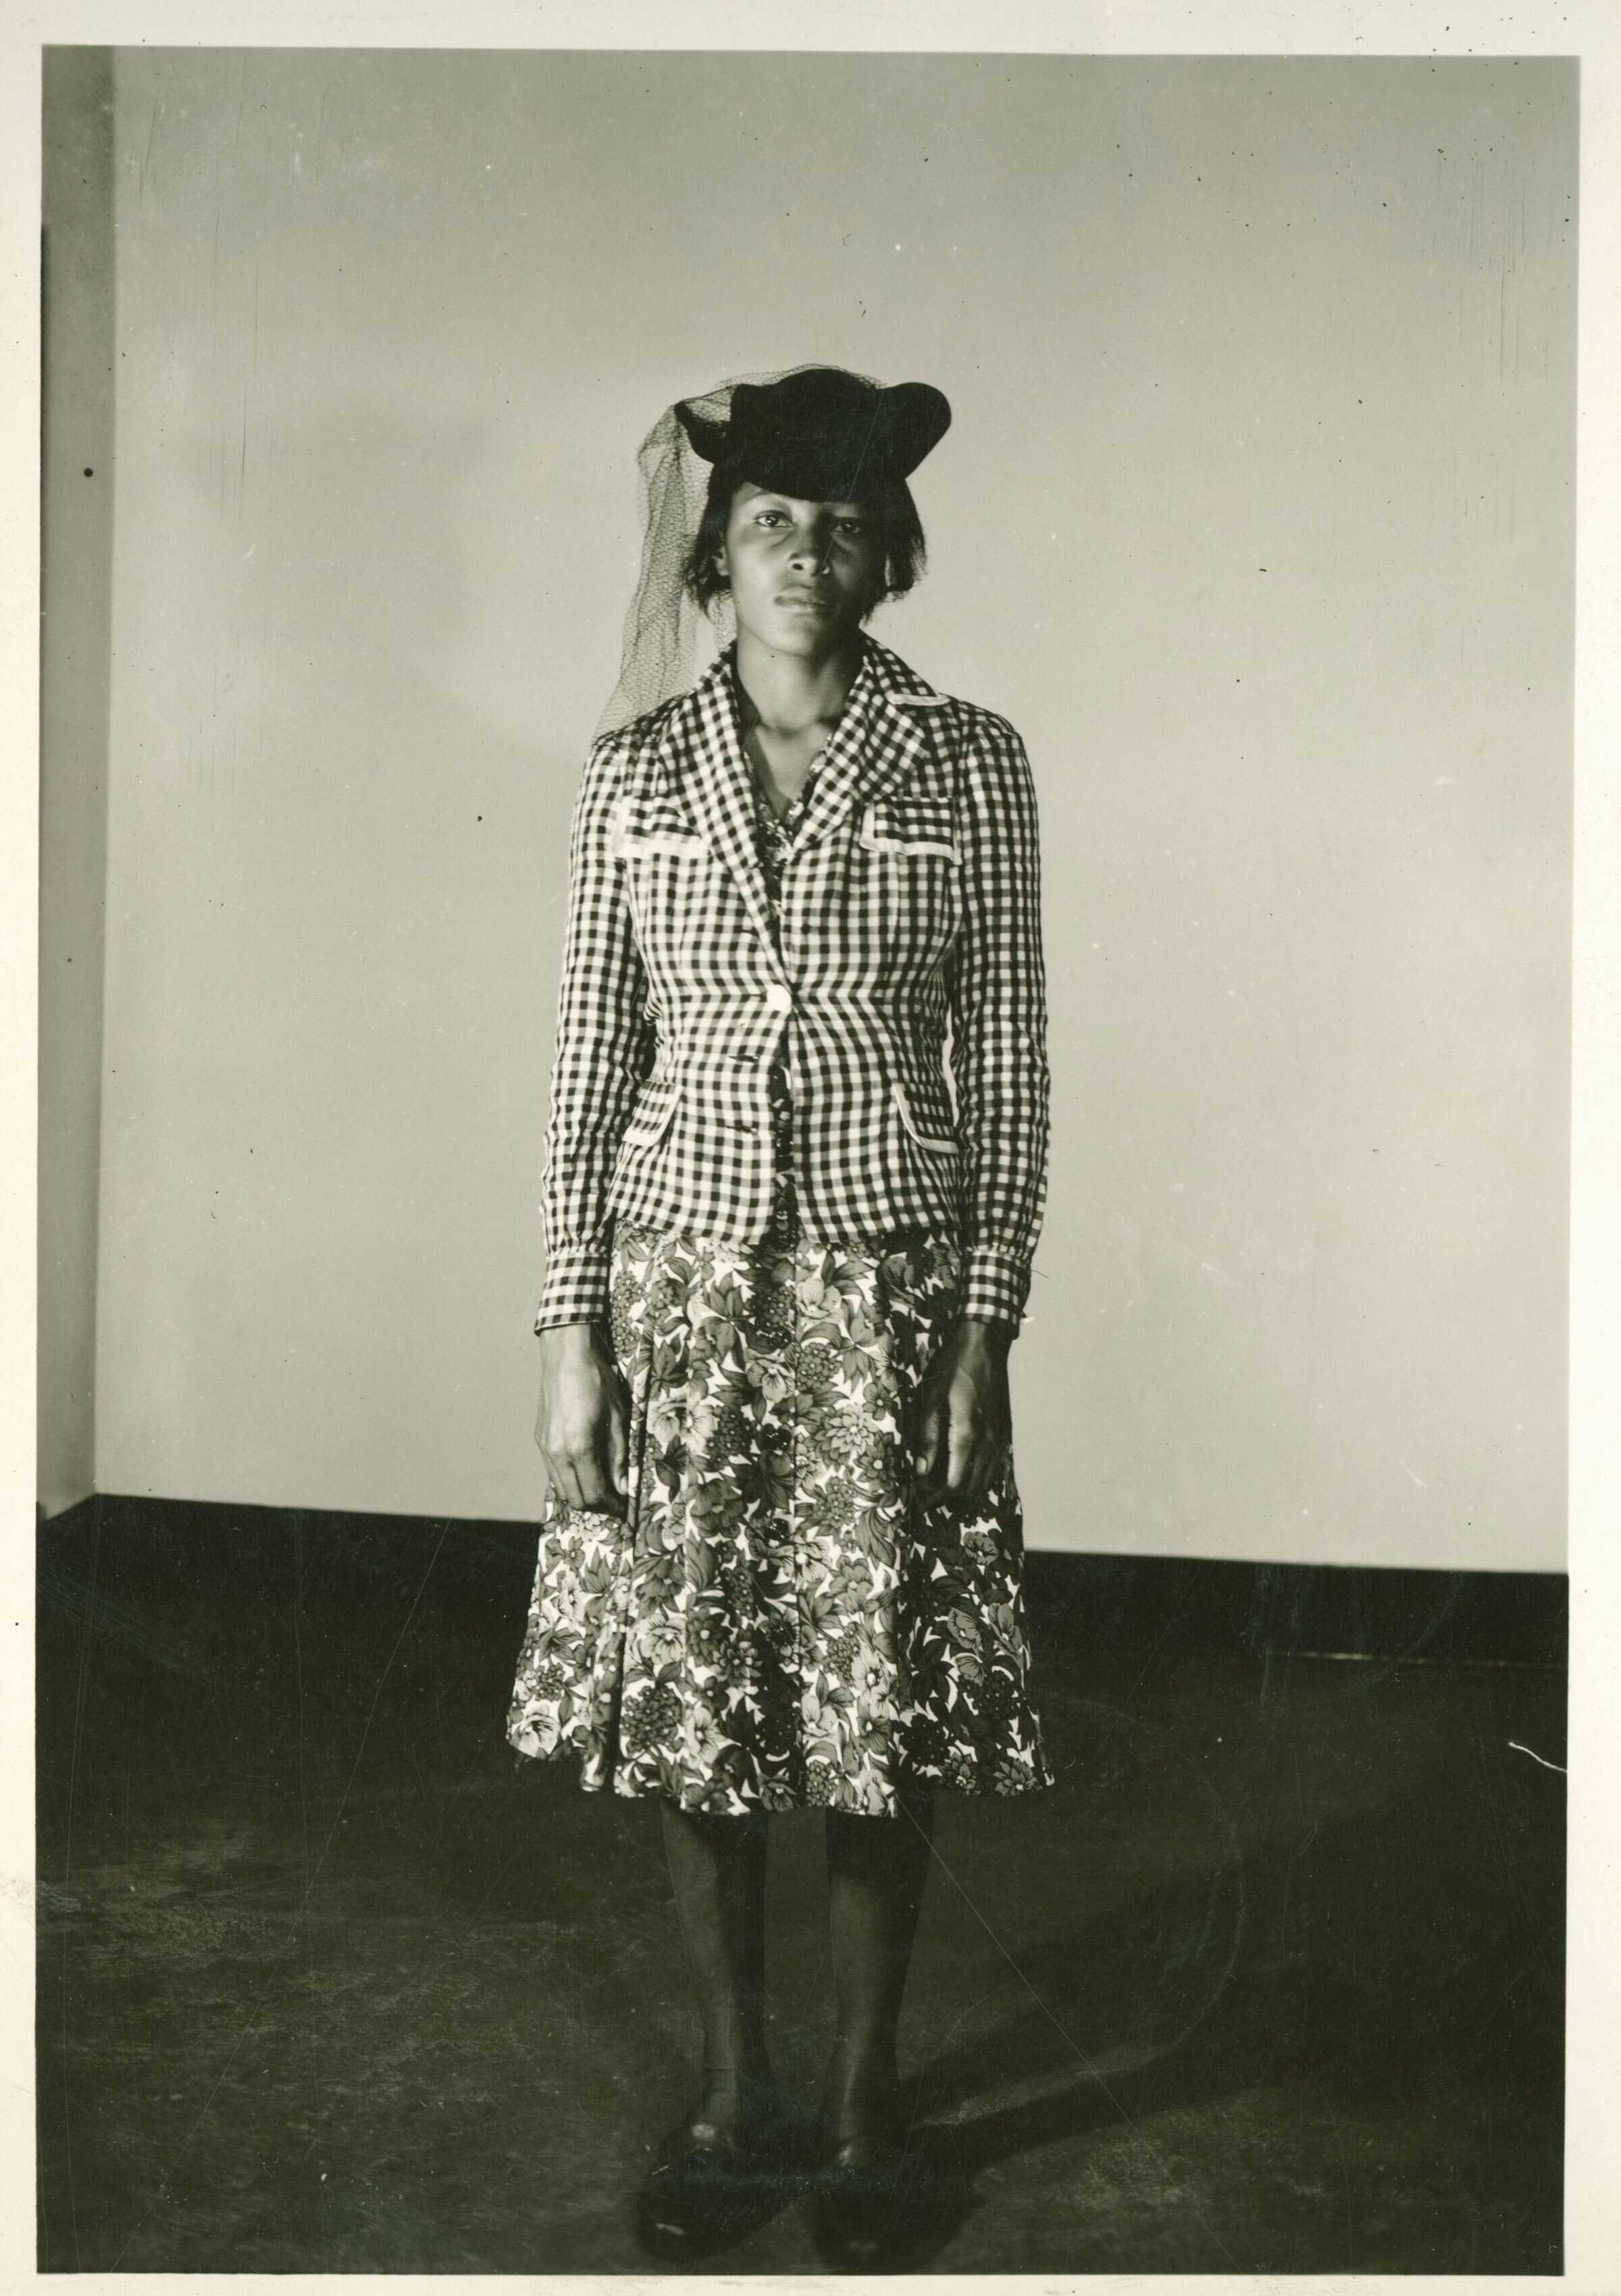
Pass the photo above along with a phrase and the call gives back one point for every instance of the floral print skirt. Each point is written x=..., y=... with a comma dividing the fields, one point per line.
x=780, y=1620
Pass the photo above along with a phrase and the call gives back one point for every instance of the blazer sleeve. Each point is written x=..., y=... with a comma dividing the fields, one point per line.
x=605, y=1043
x=997, y=988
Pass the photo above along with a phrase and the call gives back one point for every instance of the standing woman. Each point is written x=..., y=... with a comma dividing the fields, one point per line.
x=796, y=1170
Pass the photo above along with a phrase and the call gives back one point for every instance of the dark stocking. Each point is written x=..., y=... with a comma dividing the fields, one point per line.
x=877, y=1868
x=717, y=1865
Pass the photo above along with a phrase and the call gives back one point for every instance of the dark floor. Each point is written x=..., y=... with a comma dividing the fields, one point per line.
x=1271, y=1983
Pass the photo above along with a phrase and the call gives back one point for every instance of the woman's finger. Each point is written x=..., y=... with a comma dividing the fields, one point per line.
x=561, y=1475
x=986, y=1445
x=962, y=1449
x=595, y=1482
x=982, y=1470
x=618, y=1451
x=928, y=1444
x=600, y=1476
x=585, y=1473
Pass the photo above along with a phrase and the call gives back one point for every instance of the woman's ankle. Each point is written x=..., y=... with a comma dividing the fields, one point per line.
x=860, y=2087
x=732, y=2091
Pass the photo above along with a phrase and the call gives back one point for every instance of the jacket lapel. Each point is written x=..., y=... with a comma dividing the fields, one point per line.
x=701, y=750
x=882, y=736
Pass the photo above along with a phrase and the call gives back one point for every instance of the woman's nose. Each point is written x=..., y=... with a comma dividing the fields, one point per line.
x=811, y=548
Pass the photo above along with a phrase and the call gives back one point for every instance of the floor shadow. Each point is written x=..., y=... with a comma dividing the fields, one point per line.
x=1366, y=1965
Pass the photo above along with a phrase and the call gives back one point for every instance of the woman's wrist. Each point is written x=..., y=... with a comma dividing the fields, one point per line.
x=571, y=1338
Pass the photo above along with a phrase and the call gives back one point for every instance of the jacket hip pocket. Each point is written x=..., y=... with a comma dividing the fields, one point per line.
x=651, y=1118
x=938, y=1143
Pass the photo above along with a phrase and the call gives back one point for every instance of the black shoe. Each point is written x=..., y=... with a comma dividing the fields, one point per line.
x=710, y=2188
x=873, y=2201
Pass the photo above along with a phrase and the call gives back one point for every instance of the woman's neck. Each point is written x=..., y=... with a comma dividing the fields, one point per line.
x=790, y=695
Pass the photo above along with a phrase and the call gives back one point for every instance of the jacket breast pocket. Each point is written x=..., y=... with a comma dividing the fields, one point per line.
x=644, y=833
x=669, y=876
x=909, y=849
x=912, y=827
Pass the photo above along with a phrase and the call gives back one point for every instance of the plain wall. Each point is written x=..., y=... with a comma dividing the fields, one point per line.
x=1256, y=517
x=76, y=464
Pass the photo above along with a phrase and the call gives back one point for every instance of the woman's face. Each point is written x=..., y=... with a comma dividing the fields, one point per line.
x=802, y=574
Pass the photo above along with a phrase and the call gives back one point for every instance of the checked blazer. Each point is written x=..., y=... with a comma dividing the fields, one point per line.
x=910, y=980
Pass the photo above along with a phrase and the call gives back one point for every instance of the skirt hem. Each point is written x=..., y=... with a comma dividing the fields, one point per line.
x=707, y=1798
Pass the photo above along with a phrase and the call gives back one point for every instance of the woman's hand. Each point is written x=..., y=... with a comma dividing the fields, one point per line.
x=964, y=1416
x=582, y=1423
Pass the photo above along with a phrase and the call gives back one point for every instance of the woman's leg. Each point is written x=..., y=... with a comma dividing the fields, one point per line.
x=877, y=1868
x=717, y=1865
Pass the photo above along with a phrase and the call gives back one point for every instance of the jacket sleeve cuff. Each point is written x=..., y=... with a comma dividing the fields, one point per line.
x=576, y=1289
x=996, y=1284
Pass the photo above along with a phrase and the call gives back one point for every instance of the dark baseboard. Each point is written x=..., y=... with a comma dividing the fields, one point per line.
x=1461, y=1617
x=168, y=1577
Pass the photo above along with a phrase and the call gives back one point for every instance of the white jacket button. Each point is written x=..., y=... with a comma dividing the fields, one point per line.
x=778, y=997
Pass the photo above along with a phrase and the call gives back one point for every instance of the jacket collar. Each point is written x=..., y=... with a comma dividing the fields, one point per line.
x=882, y=735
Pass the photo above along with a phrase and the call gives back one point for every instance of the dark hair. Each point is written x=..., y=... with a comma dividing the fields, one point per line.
x=889, y=504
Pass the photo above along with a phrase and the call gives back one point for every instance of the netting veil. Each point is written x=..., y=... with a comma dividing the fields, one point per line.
x=665, y=626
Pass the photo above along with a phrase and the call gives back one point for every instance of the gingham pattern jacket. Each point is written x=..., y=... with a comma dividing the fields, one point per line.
x=910, y=979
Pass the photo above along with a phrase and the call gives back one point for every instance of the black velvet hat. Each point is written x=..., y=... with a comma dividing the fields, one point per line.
x=822, y=434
